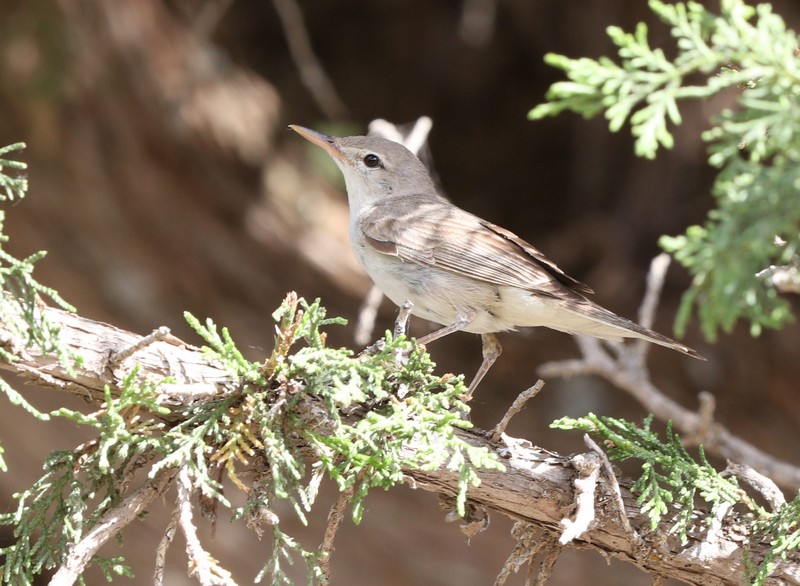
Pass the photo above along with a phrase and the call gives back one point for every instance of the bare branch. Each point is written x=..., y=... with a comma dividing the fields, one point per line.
x=366, y=316
x=717, y=440
x=401, y=323
x=311, y=71
x=623, y=366
x=195, y=379
x=655, y=284
x=765, y=486
x=705, y=422
x=117, y=357
x=612, y=482
x=335, y=517
x=163, y=545
x=517, y=406
x=647, y=310
x=201, y=565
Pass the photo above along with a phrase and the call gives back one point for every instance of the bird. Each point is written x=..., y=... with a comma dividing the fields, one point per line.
x=452, y=267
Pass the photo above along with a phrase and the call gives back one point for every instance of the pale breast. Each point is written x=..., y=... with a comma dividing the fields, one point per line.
x=437, y=295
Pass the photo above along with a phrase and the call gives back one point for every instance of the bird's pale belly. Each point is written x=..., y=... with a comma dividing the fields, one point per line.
x=439, y=296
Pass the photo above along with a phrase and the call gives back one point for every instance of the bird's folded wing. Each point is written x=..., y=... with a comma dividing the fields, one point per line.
x=431, y=232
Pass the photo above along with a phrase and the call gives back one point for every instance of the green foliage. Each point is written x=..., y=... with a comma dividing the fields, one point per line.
x=81, y=485
x=672, y=481
x=743, y=49
x=306, y=412
x=12, y=186
x=782, y=529
x=20, y=294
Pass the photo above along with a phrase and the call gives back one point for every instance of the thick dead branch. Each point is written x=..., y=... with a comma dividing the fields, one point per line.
x=537, y=486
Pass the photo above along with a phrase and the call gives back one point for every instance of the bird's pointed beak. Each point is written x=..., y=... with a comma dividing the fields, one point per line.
x=323, y=140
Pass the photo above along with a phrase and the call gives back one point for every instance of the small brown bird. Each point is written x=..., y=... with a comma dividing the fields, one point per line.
x=457, y=269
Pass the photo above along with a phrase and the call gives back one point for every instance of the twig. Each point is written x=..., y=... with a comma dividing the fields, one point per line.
x=719, y=441
x=163, y=545
x=109, y=525
x=785, y=278
x=647, y=310
x=134, y=465
x=588, y=468
x=366, y=316
x=335, y=517
x=547, y=543
x=526, y=548
x=705, y=422
x=765, y=486
x=312, y=74
x=613, y=484
x=516, y=407
x=414, y=140
x=201, y=564
x=655, y=284
x=158, y=334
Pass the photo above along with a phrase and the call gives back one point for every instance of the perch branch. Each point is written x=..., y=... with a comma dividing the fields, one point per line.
x=536, y=487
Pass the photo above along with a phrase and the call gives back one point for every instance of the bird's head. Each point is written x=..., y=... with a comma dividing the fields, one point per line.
x=373, y=168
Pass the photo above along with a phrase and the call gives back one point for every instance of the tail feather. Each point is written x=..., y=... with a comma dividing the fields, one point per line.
x=613, y=327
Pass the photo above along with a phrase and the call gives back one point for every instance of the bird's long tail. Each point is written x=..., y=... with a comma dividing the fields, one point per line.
x=594, y=320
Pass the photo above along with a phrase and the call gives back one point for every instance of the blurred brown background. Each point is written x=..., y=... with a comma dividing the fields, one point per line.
x=163, y=179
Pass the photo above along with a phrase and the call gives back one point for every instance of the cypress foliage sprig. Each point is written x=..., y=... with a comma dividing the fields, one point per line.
x=752, y=234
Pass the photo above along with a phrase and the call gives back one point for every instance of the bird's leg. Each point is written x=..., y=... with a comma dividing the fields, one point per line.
x=401, y=323
x=463, y=319
x=401, y=329
x=491, y=350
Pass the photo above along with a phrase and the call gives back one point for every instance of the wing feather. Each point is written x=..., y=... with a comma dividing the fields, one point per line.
x=421, y=230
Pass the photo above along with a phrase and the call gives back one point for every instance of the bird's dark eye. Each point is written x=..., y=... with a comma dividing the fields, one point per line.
x=372, y=161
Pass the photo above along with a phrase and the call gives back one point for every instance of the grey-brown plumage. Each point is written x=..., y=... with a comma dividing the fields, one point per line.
x=457, y=269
